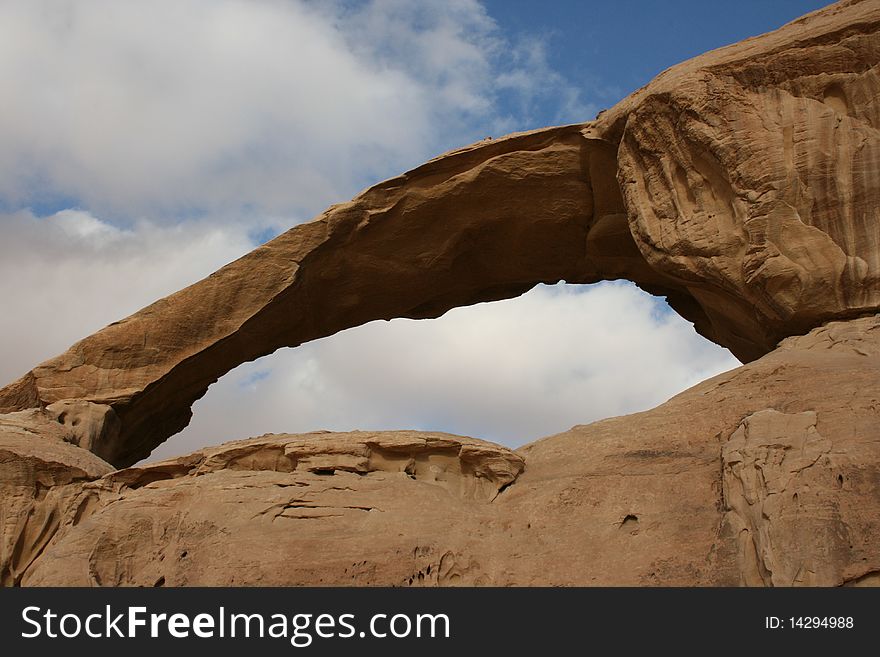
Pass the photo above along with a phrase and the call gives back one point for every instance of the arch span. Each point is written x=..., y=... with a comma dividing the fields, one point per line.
x=742, y=185
x=484, y=223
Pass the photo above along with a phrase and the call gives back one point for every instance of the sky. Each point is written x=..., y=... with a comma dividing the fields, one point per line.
x=144, y=145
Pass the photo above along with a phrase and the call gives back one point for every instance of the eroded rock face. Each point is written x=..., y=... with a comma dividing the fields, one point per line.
x=770, y=461
x=303, y=505
x=760, y=475
x=41, y=477
x=754, y=181
x=743, y=185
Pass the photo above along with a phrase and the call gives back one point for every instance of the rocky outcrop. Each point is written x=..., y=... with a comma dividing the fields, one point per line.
x=755, y=477
x=41, y=478
x=742, y=185
x=197, y=519
x=767, y=464
x=752, y=177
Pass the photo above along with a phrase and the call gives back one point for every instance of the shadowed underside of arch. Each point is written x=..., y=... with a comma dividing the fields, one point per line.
x=742, y=185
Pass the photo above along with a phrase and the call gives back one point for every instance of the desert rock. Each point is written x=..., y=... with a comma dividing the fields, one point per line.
x=41, y=477
x=754, y=477
x=742, y=185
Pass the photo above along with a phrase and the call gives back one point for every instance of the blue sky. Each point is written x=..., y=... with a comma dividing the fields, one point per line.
x=609, y=49
x=476, y=69
x=147, y=144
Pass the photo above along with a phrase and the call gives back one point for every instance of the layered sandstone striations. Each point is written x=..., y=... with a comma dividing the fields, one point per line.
x=744, y=185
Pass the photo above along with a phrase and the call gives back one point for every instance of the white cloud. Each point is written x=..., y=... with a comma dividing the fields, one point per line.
x=533, y=84
x=510, y=371
x=65, y=276
x=154, y=141
x=135, y=108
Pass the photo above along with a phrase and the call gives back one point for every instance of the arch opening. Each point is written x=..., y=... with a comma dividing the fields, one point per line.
x=508, y=371
x=485, y=223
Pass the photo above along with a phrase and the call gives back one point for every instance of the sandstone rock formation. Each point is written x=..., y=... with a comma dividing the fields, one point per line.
x=757, y=477
x=41, y=477
x=743, y=185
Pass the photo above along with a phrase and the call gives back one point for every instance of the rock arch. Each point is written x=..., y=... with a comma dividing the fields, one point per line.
x=484, y=223
x=741, y=185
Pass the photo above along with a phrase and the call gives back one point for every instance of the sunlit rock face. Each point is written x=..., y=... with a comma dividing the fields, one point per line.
x=756, y=184
x=742, y=185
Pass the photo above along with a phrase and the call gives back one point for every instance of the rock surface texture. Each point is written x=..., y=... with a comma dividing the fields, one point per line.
x=744, y=185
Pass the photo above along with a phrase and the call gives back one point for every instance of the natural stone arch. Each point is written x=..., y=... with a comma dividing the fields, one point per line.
x=484, y=223
x=742, y=185
x=750, y=187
